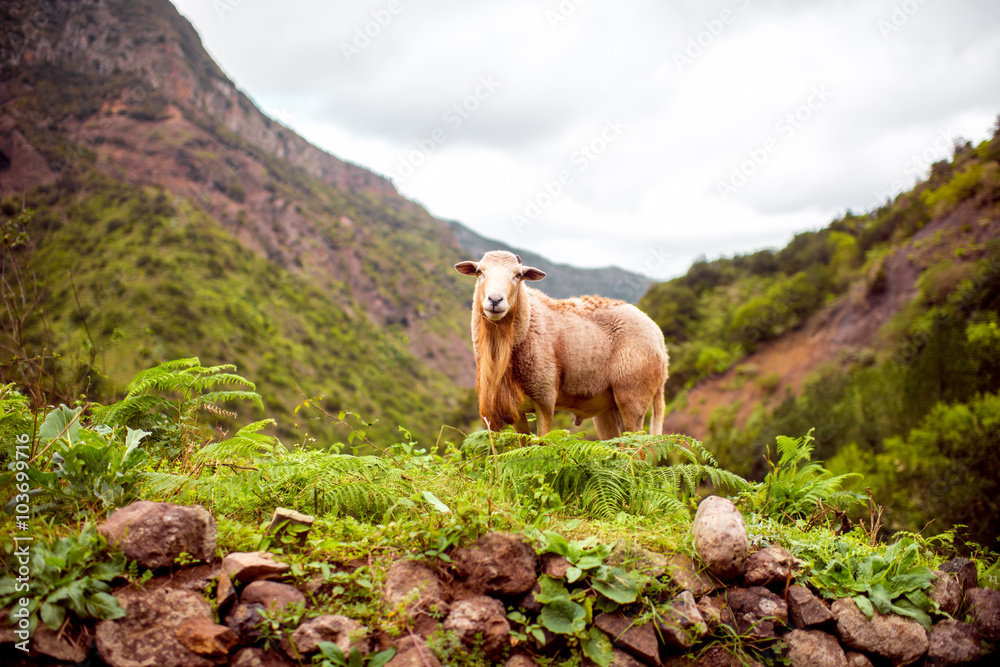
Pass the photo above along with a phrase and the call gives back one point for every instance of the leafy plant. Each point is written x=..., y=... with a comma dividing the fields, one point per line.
x=69, y=578
x=797, y=492
x=332, y=656
x=890, y=582
x=601, y=479
x=90, y=468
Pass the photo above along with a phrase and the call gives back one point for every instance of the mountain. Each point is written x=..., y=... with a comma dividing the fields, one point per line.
x=168, y=217
x=880, y=331
x=562, y=281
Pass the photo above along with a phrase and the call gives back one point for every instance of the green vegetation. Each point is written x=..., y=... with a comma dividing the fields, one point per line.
x=571, y=497
x=914, y=410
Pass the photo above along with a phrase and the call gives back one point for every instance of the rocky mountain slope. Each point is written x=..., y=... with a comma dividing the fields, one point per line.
x=172, y=218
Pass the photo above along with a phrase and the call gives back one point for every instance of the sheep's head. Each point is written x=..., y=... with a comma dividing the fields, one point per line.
x=499, y=275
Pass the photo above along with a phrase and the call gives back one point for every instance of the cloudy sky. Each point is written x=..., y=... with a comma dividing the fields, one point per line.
x=639, y=133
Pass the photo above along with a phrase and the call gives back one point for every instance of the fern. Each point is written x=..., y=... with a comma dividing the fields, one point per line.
x=601, y=478
x=798, y=492
x=178, y=387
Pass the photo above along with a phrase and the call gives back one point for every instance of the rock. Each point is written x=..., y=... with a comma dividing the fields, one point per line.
x=147, y=635
x=620, y=658
x=714, y=611
x=248, y=566
x=638, y=640
x=966, y=570
x=243, y=619
x=555, y=565
x=520, y=660
x=225, y=594
x=70, y=645
x=805, y=609
x=771, y=565
x=412, y=583
x=155, y=534
x=498, y=563
x=528, y=602
x=346, y=633
x=720, y=537
x=983, y=608
x=272, y=596
x=413, y=652
x=901, y=640
x=286, y=521
x=682, y=625
x=480, y=620
x=200, y=635
x=946, y=592
x=258, y=657
x=713, y=656
x=633, y=557
x=855, y=659
x=757, y=611
x=814, y=648
x=684, y=573
x=952, y=643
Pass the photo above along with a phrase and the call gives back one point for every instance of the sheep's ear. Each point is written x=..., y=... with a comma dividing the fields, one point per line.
x=531, y=273
x=467, y=268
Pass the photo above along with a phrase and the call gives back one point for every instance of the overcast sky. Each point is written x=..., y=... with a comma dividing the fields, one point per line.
x=639, y=133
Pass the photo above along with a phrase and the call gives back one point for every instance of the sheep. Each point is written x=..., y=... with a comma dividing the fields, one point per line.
x=591, y=356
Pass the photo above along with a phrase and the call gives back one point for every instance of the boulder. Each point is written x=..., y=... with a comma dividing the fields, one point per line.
x=520, y=660
x=946, y=592
x=225, y=594
x=855, y=659
x=901, y=640
x=555, y=566
x=805, y=609
x=346, y=633
x=715, y=611
x=720, y=537
x=757, y=611
x=770, y=566
x=247, y=566
x=638, y=640
x=412, y=583
x=952, y=643
x=498, y=563
x=69, y=645
x=814, y=648
x=200, y=635
x=272, y=595
x=983, y=608
x=244, y=619
x=713, y=656
x=155, y=534
x=683, y=572
x=413, y=652
x=968, y=574
x=682, y=625
x=147, y=635
x=620, y=658
x=480, y=621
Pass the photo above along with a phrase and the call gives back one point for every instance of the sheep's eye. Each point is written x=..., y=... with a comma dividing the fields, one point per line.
x=518, y=276
x=478, y=272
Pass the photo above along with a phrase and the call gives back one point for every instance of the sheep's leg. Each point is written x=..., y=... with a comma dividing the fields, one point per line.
x=606, y=424
x=632, y=409
x=521, y=425
x=543, y=420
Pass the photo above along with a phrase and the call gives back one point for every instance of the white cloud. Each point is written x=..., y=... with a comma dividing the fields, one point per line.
x=703, y=87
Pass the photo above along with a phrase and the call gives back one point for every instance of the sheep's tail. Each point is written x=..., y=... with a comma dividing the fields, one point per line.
x=659, y=407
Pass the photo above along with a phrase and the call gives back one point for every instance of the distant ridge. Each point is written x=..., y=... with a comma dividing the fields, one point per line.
x=562, y=281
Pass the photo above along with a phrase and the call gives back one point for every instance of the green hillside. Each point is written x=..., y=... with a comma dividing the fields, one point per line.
x=904, y=304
